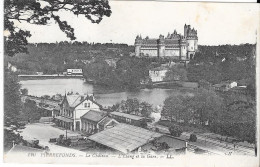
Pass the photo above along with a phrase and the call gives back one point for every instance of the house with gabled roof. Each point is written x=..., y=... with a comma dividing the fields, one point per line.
x=96, y=121
x=73, y=107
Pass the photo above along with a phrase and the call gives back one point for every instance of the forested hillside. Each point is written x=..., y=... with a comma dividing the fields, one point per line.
x=225, y=62
x=53, y=58
x=211, y=63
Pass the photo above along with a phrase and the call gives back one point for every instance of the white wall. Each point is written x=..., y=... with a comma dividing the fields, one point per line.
x=191, y=45
x=80, y=110
x=157, y=76
x=149, y=51
x=233, y=84
x=172, y=52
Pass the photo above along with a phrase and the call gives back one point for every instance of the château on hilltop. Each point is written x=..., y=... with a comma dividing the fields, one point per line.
x=177, y=46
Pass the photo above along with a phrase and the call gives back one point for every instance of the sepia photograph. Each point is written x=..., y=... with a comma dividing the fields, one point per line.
x=130, y=82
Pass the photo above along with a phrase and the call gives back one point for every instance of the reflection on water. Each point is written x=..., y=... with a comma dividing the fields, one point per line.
x=104, y=96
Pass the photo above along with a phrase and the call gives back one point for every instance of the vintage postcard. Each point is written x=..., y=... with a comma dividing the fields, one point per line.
x=101, y=82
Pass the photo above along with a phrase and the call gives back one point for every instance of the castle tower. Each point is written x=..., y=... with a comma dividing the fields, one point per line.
x=185, y=30
x=138, y=43
x=183, y=48
x=191, y=41
x=161, y=46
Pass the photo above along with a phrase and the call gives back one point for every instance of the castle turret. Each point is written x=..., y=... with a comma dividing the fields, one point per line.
x=183, y=48
x=138, y=43
x=185, y=31
x=161, y=46
x=191, y=40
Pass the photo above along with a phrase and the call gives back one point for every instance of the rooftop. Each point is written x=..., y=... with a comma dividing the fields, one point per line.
x=134, y=117
x=75, y=100
x=105, y=121
x=95, y=116
x=124, y=137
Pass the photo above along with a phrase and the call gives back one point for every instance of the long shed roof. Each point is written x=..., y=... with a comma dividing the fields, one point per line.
x=130, y=116
x=124, y=137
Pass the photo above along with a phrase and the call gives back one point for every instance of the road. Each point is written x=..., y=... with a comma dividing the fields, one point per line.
x=212, y=145
x=43, y=132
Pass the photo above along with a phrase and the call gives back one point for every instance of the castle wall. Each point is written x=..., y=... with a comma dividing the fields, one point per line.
x=196, y=45
x=190, y=55
x=183, y=52
x=161, y=50
x=191, y=45
x=174, y=45
x=153, y=52
x=172, y=52
x=137, y=50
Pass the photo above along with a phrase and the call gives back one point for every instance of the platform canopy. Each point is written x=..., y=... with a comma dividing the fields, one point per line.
x=124, y=138
x=63, y=119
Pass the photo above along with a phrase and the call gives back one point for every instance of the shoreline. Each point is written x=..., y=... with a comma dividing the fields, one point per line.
x=54, y=76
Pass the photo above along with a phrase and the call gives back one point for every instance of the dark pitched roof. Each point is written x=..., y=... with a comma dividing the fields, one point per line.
x=171, y=41
x=105, y=121
x=95, y=116
x=150, y=41
x=130, y=116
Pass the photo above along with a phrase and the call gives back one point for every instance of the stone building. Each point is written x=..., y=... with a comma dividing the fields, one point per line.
x=175, y=45
x=96, y=121
x=72, y=108
x=158, y=74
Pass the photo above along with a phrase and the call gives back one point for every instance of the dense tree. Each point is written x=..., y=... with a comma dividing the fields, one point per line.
x=12, y=99
x=30, y=111
x=238, y=119
x=199, y=108
x=177, y=72
x=12, y=108
x=172, y=108
x=24, y=91
x=226, y=62
x=44, y=12
x=175, y=131
x=228, y=114
x=146, y=109
x=134, y=106
x=36, y=12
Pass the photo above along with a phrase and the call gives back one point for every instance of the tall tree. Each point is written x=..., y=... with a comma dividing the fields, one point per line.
x=177, y=72
x=42, y=12
x=12, y=108
x=199, y=108
x=146, y=109
x=38, y=12
x=12, y=99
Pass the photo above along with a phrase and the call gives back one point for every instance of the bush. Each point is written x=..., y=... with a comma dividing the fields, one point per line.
x=143, y=124
x=175, y=131
x=193, y=138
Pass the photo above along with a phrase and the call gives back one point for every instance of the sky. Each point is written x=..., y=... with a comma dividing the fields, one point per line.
x=216, y=23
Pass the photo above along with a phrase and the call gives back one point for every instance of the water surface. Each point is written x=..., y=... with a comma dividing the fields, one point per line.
x=105, y=96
